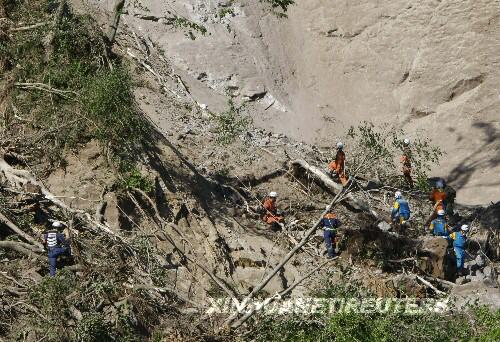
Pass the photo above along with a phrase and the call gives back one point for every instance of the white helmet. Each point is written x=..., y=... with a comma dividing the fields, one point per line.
x=440, y=212
x=398, y=194
x=406, y=141
x=273, y=194
x=340, y=145
x=464, y=227
x=439, y=184
x=57, y=224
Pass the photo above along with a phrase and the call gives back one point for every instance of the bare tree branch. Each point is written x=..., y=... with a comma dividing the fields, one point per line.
x=283, y=293
x=22, y=248
x=285, y=260
x=49, y=41
x=335, y=187
x=19, y=232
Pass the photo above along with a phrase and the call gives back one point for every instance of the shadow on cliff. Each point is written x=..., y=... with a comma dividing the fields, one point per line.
x=463, y=173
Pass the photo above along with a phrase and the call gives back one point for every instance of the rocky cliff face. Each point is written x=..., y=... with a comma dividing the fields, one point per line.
x=430, y=67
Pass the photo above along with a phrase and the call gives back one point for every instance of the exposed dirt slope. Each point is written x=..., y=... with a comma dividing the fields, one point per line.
x=430, y=67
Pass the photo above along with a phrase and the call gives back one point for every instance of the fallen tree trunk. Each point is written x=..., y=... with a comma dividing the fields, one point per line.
x=19, y=232
x=18, y=178
x=332, y=185
x=22, y=248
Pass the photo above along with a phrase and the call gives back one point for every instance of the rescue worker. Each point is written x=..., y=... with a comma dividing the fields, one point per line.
x=438, y=196
x=401, y=209
x=338, y=165
x=330, y=223
x=406, y=161
x=438, y=226
x=56, y=244
x=459, y=241
x=272, y=216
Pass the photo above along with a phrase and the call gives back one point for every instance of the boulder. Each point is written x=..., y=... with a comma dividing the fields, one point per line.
x=384, y=226
x=476, y=291
x=480, y=262
x=372, y=185
x=480, y=240
x=435, y=261
x=478, y=277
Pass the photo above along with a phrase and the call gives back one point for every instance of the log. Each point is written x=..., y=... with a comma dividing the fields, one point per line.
x=22, y=248
x=333, y=186
x=425, y=282
x=19, y=232
x=18, y=178
x=28, y=27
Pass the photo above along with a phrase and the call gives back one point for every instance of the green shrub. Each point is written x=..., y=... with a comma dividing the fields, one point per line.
x=225, y=11
x=94, y=98
x=50, y=296
x=372, y=151
x=133, y=178
x=281, y=5
x=230, y=124
x=479, y=324
x=108, y=104
x=93, y=327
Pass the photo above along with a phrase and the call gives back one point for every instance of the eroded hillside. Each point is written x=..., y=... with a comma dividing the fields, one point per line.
x=430, y=67
x=160, y=181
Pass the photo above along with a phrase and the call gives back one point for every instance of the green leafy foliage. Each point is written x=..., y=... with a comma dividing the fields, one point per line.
x=347, y=326
x=133, y=178
x=279, y=7
x=93, y=327
x=372, y=150
x=230, y=124
x=93, y=97
x=192, y=27
x=225, y=11
x=51, y=297
x=108, y=102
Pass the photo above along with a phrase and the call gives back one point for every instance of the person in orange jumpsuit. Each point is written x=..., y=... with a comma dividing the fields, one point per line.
x=338, y=165
x=406, y=161
x=438, y=196
x=271, y=216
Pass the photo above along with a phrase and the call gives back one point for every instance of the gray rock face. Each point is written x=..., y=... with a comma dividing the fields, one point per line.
x=431, y=66
x=476, y=291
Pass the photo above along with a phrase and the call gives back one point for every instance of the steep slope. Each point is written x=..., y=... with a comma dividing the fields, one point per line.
x=163, y=219
x=430, y=67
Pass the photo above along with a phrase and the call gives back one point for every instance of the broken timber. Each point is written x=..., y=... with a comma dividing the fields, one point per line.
x=327, y=181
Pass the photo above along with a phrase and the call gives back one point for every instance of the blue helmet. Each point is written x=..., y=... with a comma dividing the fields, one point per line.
x=439, y=184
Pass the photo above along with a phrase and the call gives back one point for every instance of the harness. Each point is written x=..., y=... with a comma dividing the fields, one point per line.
x=329, y=222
